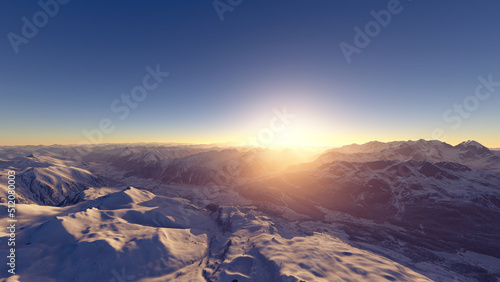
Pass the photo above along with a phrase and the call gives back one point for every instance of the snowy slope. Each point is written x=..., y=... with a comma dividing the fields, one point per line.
x=377, y=211
x=134, y=235
x=198, y=166
x=45, y=180
x=435, y=206
x=469, y=153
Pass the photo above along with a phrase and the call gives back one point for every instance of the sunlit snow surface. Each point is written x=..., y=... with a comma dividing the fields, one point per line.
x=166, y=239
x=399, y=211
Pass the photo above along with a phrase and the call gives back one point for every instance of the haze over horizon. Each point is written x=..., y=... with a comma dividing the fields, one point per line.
x=316, y=148
x=271, y=72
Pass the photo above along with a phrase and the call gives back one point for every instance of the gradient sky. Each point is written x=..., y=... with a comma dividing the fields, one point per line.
x=226, y=77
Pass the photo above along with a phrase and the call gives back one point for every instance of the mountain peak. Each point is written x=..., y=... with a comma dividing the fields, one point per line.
x=470, y=143
x=472, y=149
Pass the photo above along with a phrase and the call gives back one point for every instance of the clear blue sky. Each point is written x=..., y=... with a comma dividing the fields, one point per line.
x=226, y=77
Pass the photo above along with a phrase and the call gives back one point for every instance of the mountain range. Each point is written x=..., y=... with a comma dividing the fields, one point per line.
x=405, y=210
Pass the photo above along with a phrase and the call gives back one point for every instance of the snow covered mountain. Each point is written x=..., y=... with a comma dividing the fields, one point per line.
x=45, y=180
x=469, y=153
x=436, y=205
x=198, y=166
x=405, y=210
x=133, y=235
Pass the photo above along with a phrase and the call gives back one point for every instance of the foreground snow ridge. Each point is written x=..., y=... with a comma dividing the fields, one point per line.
x=153, y=238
